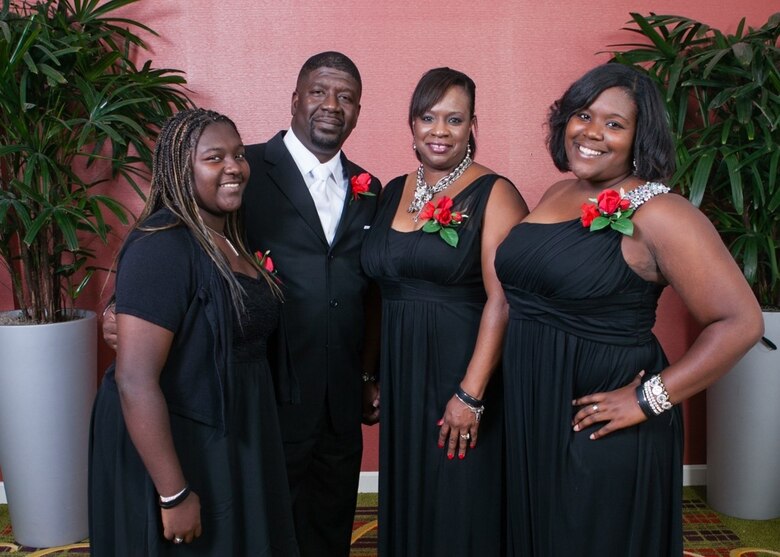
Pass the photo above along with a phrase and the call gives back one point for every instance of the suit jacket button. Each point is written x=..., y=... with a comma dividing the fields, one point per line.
x=334, y=303
x=331, y=257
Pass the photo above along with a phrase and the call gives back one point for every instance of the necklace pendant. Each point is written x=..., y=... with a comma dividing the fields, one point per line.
x=224, y=237
x=232, y=247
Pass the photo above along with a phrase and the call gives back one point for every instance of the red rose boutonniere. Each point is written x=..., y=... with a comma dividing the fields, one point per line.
x=442, y=220
x=360, y=185
x=264, y=260
x=611, y=209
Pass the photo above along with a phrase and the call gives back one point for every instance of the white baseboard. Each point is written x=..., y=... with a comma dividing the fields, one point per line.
x=694, y=474
x=369, y=482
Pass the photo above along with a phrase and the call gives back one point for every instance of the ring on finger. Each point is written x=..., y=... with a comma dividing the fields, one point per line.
x=178, y=539
x=595, y=407
x=465, y=436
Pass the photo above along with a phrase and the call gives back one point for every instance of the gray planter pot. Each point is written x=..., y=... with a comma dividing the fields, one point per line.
x=48, y=377
x=743, y=445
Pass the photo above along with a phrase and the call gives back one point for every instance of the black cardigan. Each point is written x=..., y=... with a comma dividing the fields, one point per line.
x=164, y=277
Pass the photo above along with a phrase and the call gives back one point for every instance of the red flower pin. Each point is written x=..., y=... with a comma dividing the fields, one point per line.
x=265, y=261
x=360, y=186
x=440, y=218
x=611, y=209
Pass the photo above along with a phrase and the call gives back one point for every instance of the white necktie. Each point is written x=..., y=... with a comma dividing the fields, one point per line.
x=322, y=196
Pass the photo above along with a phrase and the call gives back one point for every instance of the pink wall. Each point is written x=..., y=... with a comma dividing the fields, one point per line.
x=241, y=57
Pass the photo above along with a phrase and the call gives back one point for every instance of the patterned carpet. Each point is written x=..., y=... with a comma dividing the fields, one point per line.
x=705, y=533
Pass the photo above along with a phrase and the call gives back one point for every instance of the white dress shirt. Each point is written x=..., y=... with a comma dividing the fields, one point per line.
x=328, y=196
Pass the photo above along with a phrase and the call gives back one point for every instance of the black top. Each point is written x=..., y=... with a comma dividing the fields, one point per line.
x=183, y=292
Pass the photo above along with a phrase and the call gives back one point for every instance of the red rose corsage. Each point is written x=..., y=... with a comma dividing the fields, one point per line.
x=265, y=261
x=441, y=219
x=611, y=209
x=360, y=186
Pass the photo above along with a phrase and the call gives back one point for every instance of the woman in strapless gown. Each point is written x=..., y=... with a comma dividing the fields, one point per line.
x=594, y=428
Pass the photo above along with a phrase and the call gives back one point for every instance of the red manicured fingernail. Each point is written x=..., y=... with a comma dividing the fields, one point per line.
x=441, y=445
x=462, y=456
x=450, y=456
x=440, y=422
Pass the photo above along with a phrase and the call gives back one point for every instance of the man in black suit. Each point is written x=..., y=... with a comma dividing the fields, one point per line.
x=300, y=204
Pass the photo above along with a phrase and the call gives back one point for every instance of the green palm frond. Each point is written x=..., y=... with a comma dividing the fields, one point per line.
x=722, y=94
x=70, y=92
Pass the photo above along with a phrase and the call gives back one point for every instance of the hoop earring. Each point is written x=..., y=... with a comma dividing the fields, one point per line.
x=633, y=167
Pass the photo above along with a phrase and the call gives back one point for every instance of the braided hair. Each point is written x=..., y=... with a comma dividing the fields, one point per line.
x=173, y=188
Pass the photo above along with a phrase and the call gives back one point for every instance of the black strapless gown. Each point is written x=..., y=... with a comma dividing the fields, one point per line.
x=580, y=323
x=432, y=301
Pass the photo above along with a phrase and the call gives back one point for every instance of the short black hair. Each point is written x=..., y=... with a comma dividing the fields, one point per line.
x=653, y=150
x=331, y=59
x=432, y=87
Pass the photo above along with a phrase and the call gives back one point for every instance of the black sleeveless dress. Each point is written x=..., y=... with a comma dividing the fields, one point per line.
x=432, y=301
x=262, y=494
x=580, y=323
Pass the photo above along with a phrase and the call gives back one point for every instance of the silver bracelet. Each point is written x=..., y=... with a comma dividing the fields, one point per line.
x=476, y=410
x=656, y=394
x=108, y=307
x=164, y=499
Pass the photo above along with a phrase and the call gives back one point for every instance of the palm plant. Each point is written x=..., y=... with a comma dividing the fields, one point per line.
x=75, y=112
x=723, y=98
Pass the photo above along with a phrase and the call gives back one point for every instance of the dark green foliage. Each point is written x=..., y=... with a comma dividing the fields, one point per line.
x=71, y=97
x=723, y=98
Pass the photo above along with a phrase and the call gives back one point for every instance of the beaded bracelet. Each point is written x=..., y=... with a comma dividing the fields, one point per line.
x=173, y=500
x=472, y=403
x=654, y=394
x=658, y=390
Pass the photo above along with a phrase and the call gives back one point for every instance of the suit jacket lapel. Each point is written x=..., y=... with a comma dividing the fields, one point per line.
x=287, y=177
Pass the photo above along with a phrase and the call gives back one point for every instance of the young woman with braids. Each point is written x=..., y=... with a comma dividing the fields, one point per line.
x=186, y=455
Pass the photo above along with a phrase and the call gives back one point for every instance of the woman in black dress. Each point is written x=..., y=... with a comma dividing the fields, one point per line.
x=186, y=455
x=431, y=250
x=594, y=426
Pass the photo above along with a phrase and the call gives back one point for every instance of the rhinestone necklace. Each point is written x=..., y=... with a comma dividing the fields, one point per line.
x=229, y=243
x=423, y=192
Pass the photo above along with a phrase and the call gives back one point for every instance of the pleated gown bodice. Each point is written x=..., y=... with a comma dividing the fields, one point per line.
x=581, y=322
